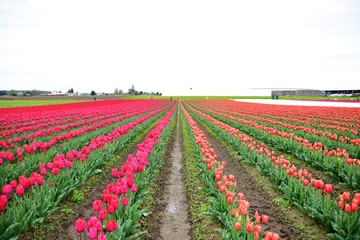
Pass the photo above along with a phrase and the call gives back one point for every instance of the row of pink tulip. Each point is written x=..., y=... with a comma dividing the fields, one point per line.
x=109, y=212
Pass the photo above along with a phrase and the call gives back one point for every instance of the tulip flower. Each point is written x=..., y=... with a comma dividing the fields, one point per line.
x=125, y=201
x=102, y=236
x=97, y=205
x=111, y=225
x=354, y=207
x=134, y=188
x=110, y=209
x=19, y=190
x=347, y=208
x=346, y=196
x=3, y=199
x=80, y=225
x=55, y=171
x=249, y=227
x=6, y=190
x=92, y=234
x=328, y=188
x=13, y=184
x=265, y=219
x=237, y=226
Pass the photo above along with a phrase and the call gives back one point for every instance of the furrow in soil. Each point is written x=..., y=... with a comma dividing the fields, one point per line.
x=175, y=224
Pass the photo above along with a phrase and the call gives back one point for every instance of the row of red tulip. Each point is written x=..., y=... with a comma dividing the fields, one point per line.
x=18, y=117
x=65, y=160
x=238, y=205
x=35, y=146
x=278, y=160
x=344, y=222
x=304, y=142
x=40, y=121
x=301, y=116
x=352, y=138
x=105, y=221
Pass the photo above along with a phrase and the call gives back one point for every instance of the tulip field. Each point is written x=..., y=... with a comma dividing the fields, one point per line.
x=246, y=166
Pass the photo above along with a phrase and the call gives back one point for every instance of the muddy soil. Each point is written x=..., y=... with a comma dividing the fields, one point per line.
x=260, y=200
x=175, y=224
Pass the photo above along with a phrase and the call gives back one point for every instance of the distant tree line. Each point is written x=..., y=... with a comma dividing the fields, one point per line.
x=21, y=92
x=133, y=91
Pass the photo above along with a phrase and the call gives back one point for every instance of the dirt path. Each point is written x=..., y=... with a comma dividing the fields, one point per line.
x=175, y=224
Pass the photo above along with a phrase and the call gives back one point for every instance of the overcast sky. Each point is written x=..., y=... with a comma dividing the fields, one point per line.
x=213, y=47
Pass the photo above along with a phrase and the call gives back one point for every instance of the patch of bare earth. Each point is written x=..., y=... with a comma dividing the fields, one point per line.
x=174, y=223
x=287, y=222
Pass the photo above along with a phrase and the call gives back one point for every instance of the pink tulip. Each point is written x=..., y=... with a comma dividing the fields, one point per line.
x=125, y=201
x=19, y=190
x=6, y=190
x=13, y=184
x=102, y=214
x=97, y=205
x=55, y=171
x=3, y=199
x=80, y=225
x=92, y=234
x=102, y=236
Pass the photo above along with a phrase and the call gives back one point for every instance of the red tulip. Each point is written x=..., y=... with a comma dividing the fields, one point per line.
x=114, y=172
x=19, y=190
x=249, y=227
x=328, y=188
x=268, y=235
x=237, y=226
x=275, y=236
x=39, y=181
x=3, y=199
x=341, y=204
x=43, y=171
x=55, y=171
x=102, y=214
x=125, y=201
x=97, y=205
x=347, y=208
x=134, y=188
x=2, y=206
x=346, y=196
x=13, y=184
x=354, y=207
x=265, y=219
x=110, y=209
x=6, y=190
x=111, y=225
x=80, y=225
x=257, y=229
x=305, y=182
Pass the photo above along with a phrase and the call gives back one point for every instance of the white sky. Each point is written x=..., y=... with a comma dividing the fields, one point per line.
x=213, y=47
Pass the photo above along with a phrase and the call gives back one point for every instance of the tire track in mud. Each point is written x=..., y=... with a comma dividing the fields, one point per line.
x=174, y=223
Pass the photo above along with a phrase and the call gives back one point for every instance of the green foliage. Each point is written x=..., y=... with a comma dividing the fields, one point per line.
x=78, y=196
